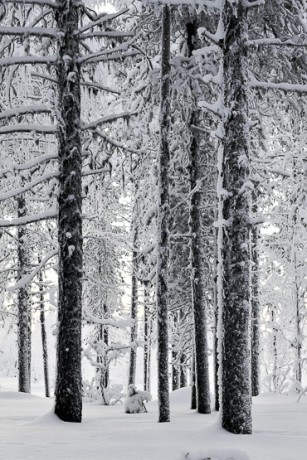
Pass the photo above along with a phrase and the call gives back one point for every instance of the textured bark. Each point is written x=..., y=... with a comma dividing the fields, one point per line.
x=103, y=369
x=255, y=305
x=183, y=371
x=24, y=350
x=193, y=383
x=175, y=371
x=236, y=385
x=215, y=351
x=68, y=403
x=43, y=334
x=147, y=339
x=163, y=223
x=133, y=312
x=198, y=279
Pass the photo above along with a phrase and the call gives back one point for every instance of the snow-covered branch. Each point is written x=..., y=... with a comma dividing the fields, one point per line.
x=28, y=186
x=50, y=3
x=101, y=87
x=50, y=214
x=25, y=280
x=25, y=128
x=27, y=31
x=119, y=324
x=101, y=20
x=19, y=60
x=28, y=110
x=108, y=119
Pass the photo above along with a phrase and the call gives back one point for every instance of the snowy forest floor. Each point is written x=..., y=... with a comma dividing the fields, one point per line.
x=30, y=431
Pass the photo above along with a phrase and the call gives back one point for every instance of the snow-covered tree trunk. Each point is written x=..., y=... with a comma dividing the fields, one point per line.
x=175, y=371
x=134, y=300
x=236, y=384
x=255, y=305
x=24, y=352
x=147, y=337
x=196, y=258
x=43, y=333
x=163, y=223
x=68, y=404
x=193, y=382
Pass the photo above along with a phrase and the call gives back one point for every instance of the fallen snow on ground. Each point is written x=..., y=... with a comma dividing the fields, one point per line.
x=30, y=431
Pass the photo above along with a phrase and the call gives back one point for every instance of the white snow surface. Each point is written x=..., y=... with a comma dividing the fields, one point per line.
x=30, y=431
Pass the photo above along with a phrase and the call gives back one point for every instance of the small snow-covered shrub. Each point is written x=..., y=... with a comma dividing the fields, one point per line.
x=112, y=395
x=134, y=403
x=216, y=454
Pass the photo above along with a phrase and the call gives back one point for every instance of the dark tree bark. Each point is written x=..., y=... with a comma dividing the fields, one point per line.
x=163, y=223
x=103, y=369
x=183, y=371
x=24, y=349
x=196, y=256
x=68, y=403
x=193, y=383
x=255, y=304
x=43, y=334
x=236, y=384
x=147, y=339
x=134, y=300
x=175, y=371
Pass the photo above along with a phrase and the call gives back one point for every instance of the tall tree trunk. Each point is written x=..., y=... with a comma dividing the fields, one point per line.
x=196, y=257
x=236, y=384
x=24, y=362
x=193, y=382
x=183, y=371
x=175, y=371
x=43, y=333
x=68, y=403
x=147, y=339
x=255, y=304
x=163, y=223
x=134, y=300
x=275, y=351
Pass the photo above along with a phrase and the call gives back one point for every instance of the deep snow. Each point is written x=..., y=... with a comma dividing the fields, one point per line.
x=30, y=431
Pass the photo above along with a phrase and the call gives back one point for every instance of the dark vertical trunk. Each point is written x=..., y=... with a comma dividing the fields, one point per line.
x=134, y=299
x=24, y=352
x=68, y=403
x=175, y=371
x=183, y=371
x=193, y=383
x=275, y=352
x=147, y=339
x=196, y=245
x=255, y=304
x=236, y=384
x=163, y=223
x=215, y=337
x=43, y=334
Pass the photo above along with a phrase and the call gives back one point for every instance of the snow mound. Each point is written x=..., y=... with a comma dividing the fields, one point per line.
x=12, y=395
x=47, y=419
x=216, y=454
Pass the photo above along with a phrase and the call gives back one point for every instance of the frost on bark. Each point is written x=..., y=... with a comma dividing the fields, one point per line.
x=43, y=333
x=236, y=385
x=147, y=337
x=198, y=279
x=68, y=404
x=193, y=382
x=134, y=295
x=163, y=223
x=255, y=306
x=24, y=324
